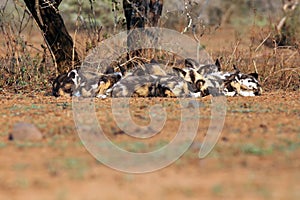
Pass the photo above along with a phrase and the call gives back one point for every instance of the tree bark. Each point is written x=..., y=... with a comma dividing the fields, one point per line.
x=287, y=28
x=155, y=11
x=139, y=13
x=50, y=22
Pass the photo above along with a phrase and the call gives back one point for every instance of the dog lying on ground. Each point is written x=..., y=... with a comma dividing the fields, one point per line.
x=155, y=80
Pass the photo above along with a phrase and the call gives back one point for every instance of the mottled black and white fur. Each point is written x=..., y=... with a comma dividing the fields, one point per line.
x=186, y=79
x=84, y=83
x=151, y=86
x=155, y=80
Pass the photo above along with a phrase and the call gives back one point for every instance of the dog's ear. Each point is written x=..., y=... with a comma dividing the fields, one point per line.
x=114, y=78
x=237, y=70
x=218, y=64
x=254, y=74
x=71, y=74
x=109, y=70
x=199, y=71
x=191, y=63
x=179, y=71
x=122, y=70
x=153, y=61
x=103, y=78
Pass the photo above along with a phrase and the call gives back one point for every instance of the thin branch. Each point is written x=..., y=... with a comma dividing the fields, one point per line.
x=257, y=48
x=134, y=59
x=234, y=51
x=255, y=67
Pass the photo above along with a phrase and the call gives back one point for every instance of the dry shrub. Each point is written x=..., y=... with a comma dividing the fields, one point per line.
x=277, y=67
x=27, y=68
x=24, y=67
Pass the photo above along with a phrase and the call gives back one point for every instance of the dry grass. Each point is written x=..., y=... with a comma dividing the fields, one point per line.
x=27, y=67
x=277, y=67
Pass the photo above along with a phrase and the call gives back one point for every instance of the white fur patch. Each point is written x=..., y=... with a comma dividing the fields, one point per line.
x=245, y=93
x=101, y=96
x=248, y=83
x=196, y=95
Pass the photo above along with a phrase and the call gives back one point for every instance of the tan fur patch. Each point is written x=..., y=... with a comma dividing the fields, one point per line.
x=102, y=88
x=237, y=86
x=61, y=92
x=170, y=94
x=142, y=91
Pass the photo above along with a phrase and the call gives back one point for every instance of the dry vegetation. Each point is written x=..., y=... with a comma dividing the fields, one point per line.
x=26, y=65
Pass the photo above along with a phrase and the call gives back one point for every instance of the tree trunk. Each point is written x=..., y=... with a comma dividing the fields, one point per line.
x=60, y=43
x=155, y=11
x=139, y=14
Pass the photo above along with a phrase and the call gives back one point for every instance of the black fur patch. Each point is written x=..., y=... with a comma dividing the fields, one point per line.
x=63, y=85
x=192, y=76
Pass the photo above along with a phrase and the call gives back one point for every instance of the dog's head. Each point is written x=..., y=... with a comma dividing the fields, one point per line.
x=194, y=80
x=64, y=84
x=249, y=84
x=106, y=82
x=203, y=69
x=212, y=85
x=238, y=83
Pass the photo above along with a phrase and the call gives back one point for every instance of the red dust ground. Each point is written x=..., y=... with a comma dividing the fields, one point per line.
x=256, y=157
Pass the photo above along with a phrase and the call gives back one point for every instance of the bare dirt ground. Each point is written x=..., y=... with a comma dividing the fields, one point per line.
x=256, y=157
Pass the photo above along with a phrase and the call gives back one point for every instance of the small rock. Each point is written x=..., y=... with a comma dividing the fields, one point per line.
x=24, y=131
x=224, y=139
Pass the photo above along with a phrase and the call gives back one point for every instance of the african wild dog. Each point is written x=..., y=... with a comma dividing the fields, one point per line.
x=217, y=82
x=106, y=82
x=151, y=86
x=233, y=83
x=189, y=74
x=240, y=84
x=86, y=84
x=63, y=85
x=153, y=79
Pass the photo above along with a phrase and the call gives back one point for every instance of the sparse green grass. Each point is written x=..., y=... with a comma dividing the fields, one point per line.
x=241, y=107
x=4, y=131
x=264, y=192
x=136, y=147
x=287, y=146
x=18, y=107
x=256, y=150
x=248, y=108
x=263, y=150
x=75, y=168
x=64, y=105
x=188, y=192
x=160, y=144
x=3, y=144
x=22, y=182
x=28, y=144
x=217, y=189
x=62, y=194
x=59, y=142
x=20, y=166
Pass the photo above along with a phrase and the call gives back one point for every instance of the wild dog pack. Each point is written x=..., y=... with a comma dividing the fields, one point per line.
x=157, y=80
